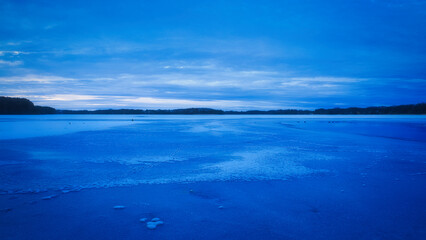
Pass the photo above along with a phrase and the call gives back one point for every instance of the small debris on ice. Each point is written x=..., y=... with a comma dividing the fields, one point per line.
x=119, y=207
x=220, y=207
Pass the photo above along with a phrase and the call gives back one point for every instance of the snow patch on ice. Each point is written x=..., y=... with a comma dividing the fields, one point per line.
x=150, y=159
x=49, y=197
x=262, y=164
x=154, y=223
x=214, y=127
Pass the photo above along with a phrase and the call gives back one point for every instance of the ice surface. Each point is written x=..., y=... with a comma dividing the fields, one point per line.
x=111, y=151
x=25, y=126
x=213, y=177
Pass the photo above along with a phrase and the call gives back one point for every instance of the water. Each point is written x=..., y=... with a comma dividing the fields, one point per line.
x=213, y=177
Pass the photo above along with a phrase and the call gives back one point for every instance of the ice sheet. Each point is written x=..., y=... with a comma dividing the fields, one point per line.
x=106, y=151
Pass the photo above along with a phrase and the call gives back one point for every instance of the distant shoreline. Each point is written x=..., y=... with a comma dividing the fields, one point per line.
x=22, y=106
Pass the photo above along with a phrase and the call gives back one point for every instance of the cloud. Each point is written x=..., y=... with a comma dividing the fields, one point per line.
x=209, y=78
x=237, y=90
x=77, y=101
x=174, y=103
x=42, y=79
x=225, y=80
x=183, y=88
x=10, y=63
x=69, y=97
x=2, y=53
x=50, y=26
x=184, y=43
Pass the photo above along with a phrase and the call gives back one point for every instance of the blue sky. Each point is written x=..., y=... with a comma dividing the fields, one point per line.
x=221, y=54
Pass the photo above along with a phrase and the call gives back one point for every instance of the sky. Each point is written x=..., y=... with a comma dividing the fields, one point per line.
x=237, y=55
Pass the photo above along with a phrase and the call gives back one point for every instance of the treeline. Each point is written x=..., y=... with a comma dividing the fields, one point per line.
x=138, y=111
x=10, y=105
x=401, y=109
x=181, y=111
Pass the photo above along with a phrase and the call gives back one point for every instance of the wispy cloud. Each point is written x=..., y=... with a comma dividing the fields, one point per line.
x=74, y=101
x=10, y=63
x=2, y=53
x=42, y=79
x=253, y=89
x=69, y=97
x=151, y=102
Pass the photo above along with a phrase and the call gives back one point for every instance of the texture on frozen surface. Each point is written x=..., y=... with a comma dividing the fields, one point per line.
x=215, y=177
x=192, y=149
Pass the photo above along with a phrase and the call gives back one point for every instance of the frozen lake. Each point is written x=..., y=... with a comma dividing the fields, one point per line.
x=212, y=177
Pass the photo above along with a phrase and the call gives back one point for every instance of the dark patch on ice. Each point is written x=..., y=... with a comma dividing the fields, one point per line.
x=291, y=126
x=5, y=210
x=202, y=195
x=314, y=210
